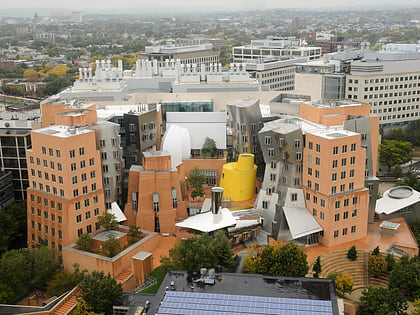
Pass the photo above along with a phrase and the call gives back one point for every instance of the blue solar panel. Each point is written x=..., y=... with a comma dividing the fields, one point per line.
x=210, y=303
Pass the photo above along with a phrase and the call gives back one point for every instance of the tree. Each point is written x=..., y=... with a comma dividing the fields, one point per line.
x=200, y=252
x=196, y=180
x=99, y=291
x=390, y=262
x=344, y=283
x=352, y=253
x=377, y=265
x=406, y=277
x=317, y=267
x=394, y=152
x=416, y=310
x=46, y=264
x=83, y=308
x=84, y=242
x=111, y=247
x=134, y=233
x=108, y=221
x=376, y=251
x=209, y=148
x=281, y=259
x=382, y=301
x=13, y=226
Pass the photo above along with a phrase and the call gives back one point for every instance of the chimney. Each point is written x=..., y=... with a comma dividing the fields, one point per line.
x=216, y=199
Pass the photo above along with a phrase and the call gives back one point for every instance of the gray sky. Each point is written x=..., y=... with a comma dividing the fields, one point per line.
x=203, y=4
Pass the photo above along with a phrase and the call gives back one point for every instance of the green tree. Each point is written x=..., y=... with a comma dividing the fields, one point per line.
x=84, y=242
x=394, y=152
x=111, y=246
x=317, y=268
x=406, y=277
x=416, y=310
x=382, y=301
x=200, y=252
x=209, y=148
x=134, y=233
x=376, y=251
x=352, y=253
x=100, y=291
x=83, y=308
x=277, y=260
x=108, y=221
x=196, y=180
x=377, y=265
x=13, y=226
x=46, y=264
x=390, y=262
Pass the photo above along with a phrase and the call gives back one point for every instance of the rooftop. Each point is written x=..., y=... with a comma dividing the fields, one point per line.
x=323, y=103
x=225, y=293
x=330, y=133
x=62, y=131
x=397, y=198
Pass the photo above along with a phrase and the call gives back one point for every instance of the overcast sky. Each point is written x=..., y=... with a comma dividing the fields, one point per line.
x=77, y=5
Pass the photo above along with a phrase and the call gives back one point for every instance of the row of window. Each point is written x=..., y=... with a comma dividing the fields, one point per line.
x=46, y=242
x=346, y=202
x=395, y=94
x=60, y=192
x=114, y=142
x=47, y=215
x=345, y=231
x=336, y=216
x=47, y=203
x=52, y=164
x=384, y=80
x=389, y=117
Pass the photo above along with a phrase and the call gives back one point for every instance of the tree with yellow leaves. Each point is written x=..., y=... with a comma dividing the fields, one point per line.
x=344, y=283
x=59, y=70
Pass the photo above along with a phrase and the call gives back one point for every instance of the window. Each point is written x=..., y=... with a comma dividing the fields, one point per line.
x=298, y=156
x=345, y=215
x=59, y=167
x=77, y=205
x=353, y=229
x=334, y=177
x=309, y=171
x=317, y=148
x=333, y=190
x=272, y=177
x=74, y=179
x=281, y=142
x=267, y=140
x=89, y=229
x=72, y=154
x=79, y=218
x=343, y=162
x=335, y=233
x=308, y=196
x=92, y=174
x=273, y=164
x=106, y=180
x=60, y=220
x=297, y=143
x=60, y=179
x=93, y=186
x=321, y=215
x=353, y=147
x=344, y=231
x=335, y=150
x=44, y=150
x=344, y=148
x=310, y=145
x=343, y=175
x=79, y=232
x=337, y=204
x=96, y=211
x=102, y=142
x=346, y=202
x=91, y=161
x=87, y=215
x=317, y=161
x=323, y=203
x=87, y=203
x=85, y=190
x=75, y=192
x=352, y=160
x=342, y=187
x=316, y=174
x=335, y=163
x=82, y=164
x=73, y=166
x=155, y=202
x=353, y=213
x=293, y=197
x=105, y=168
x=174, y=199
x=314, y=212
x=351, y=174
x=351, y=186
x=270, y=152
x=316, y=187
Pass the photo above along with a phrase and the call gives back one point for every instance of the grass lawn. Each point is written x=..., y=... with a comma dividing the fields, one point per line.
x=158, y=274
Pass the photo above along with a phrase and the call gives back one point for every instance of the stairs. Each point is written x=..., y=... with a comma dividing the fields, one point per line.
x=148, y=282
x=123, y=276
x=337, y=261
x=67, y=306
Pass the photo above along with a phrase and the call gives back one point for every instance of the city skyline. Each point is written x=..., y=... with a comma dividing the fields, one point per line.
x=131, y=6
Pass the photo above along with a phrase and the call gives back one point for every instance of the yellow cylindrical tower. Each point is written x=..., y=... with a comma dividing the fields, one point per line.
x=238, y=178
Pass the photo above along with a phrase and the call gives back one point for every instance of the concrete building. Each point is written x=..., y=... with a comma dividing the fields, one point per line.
x=275, y=73
x=277, y=47
x=187, y=54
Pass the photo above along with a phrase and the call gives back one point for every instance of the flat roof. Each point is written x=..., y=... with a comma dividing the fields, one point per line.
x=388, y=67
x=63, y=131
x=208, y=222
x=397, y=198
x=238, y=293
x=330, y=133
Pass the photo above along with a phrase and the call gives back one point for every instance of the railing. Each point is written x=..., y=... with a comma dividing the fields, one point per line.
x=148, y=282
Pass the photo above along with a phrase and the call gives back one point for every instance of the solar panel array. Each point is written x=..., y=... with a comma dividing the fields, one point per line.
x=192, y=303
